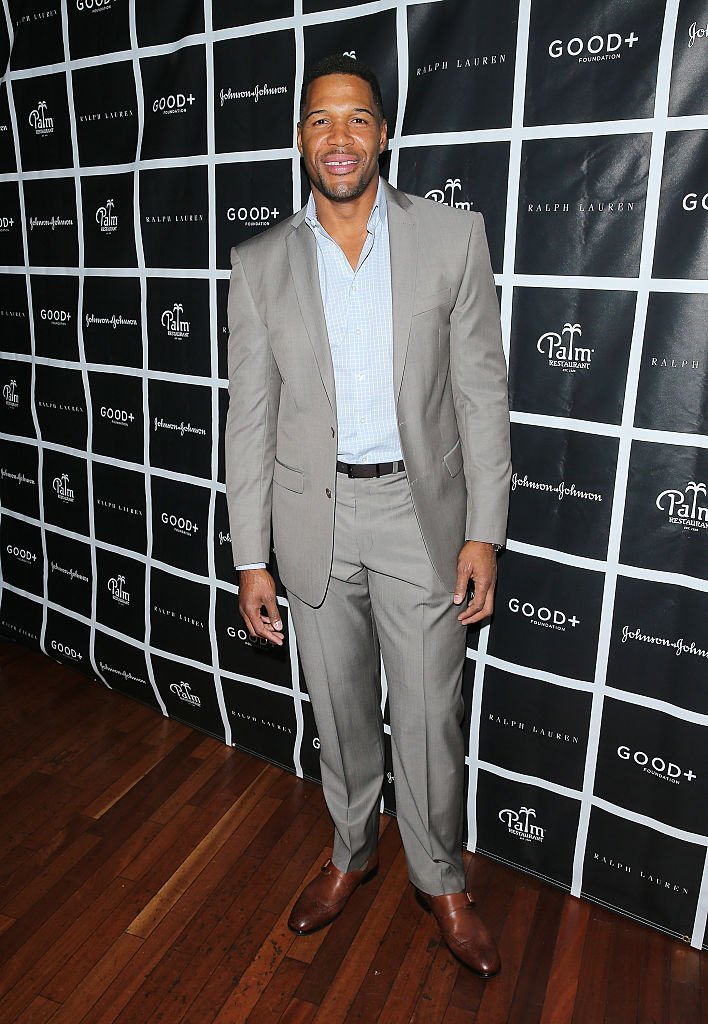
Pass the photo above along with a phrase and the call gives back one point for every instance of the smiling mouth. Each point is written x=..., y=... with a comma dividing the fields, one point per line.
x=340, y=164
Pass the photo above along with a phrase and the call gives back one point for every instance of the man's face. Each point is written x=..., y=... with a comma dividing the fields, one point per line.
x=340, y=137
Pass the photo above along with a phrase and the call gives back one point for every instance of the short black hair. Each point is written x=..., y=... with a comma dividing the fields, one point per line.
x=341, y=64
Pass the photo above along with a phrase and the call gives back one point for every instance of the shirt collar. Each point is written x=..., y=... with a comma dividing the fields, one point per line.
x=377, y=217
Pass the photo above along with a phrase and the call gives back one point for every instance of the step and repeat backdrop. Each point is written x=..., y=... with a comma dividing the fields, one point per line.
x=137, y=147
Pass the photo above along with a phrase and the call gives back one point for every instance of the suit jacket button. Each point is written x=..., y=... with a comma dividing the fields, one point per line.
x=328, y=492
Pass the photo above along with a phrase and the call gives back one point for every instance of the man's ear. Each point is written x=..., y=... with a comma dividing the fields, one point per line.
x=383, y=140
x=299, y=138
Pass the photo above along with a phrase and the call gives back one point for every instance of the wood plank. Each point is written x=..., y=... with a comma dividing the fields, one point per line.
x=591, y=996
x=685, y=994
x=623, y=981
x=655, y=980
x=530, y=990
x=495, y=1004
x=278, y=993
x=39, y=1011
x=565, y=968
x=434, y=998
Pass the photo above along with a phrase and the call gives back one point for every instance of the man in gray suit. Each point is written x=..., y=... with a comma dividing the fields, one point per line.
x=368, y=422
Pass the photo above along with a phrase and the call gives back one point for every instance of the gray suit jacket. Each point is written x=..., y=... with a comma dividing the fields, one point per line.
x=449, y=378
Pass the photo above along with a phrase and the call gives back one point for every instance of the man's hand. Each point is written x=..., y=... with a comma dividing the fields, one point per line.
x=477, y=561
x=256, y=591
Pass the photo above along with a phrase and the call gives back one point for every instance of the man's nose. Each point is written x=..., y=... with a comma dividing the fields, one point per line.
x=339, y=133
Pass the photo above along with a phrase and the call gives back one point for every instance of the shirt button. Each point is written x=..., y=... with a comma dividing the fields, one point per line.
x=328, y=492
x=358, y=331
x=354, y=288
x=363, y=419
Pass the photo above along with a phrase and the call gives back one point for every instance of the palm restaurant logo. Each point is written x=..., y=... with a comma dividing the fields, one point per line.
x=9, y=393
x=116, y=587
x=173, y=322
x=106, y=219
x=42, y=123
x=563, y=351
x=184, y=692
x=684, y=508
x=521, y=826
x=62, y=488
x=452, y=185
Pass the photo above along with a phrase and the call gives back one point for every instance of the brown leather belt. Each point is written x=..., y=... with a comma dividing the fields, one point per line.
x=353, y=470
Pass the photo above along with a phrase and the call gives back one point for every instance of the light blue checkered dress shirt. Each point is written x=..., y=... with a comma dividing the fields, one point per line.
x=359, y=315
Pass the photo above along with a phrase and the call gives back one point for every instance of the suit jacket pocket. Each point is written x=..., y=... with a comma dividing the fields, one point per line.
x=453, y=459
x=432, y=300
x=292, y=479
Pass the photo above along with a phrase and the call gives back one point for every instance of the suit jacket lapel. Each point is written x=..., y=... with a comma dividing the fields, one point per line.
x=302, y=253
x=403, y=241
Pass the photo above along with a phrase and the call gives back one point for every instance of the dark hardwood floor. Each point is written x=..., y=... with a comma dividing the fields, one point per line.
x=147, y=872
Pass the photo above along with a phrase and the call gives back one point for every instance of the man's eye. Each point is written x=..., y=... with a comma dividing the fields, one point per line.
x=320, y=120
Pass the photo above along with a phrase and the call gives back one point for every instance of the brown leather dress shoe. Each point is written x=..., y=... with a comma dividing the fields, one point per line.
x=464, y=931
x=326, y=895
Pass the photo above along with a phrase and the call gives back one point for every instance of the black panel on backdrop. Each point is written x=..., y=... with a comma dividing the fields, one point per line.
x=250, y=197
x=176, y=20
x=21, y=555
x=222, y=326
x=592, y=63
x=106, y=113
x=689, y=70
x=223, y=552
x=174, y=103
x=109, y=229
x=262, y=721
x=561, y=489
x=119, y=506
x=60, y=401
x=527, y=825
x=586, y=220
x=534, y=728
x=189, y=695
x=310, y=746
x=37, y=31
x=14, y=313
x=123, y=667
x=180, y=427
x=223, y=399
x=120, y=593
x=52, y=235
x=21, y=618
x=18, y=477
x=226, y=13
x=239, y=653
x=179, y=616
x=389, y=779
x=180, y=524
x=55, y=302
x=69, y=573
x=469, y=177
x=658, y=645
x=252, y=109
x=461, y=50
x=569, y=352
x=112, y=321
x=42, y=111
x=65, y=490
x=11, y=251
x=673, y=381
x=468, y=673
x=371, y=39
x=639, y=871
x=549, y=614
x=666, y=511
x=178, y=326
x=681, y=238
x=8, y=161
x=653, y=763
x=98, y=26
x=16, y=398
x=174, y=209
x=66, y=639
x=117, y=405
